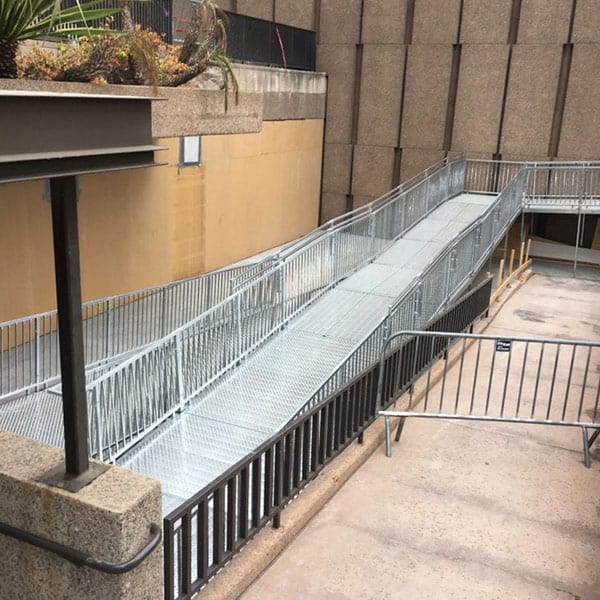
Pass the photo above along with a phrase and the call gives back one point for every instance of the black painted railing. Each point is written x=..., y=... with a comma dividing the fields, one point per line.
x=202, y=534
x=273, y=44
x=150, y=14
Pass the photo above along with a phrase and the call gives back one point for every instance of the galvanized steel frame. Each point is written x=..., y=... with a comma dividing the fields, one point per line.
x=562, y=405
x=113, y=328
x=436, y=287
x=570, y=187
x=136, y=396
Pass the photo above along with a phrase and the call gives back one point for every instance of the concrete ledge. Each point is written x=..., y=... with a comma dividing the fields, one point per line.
x=287, y=94
x=268, y=544
x=181, y=111
x=109, y=519
x=198, y=108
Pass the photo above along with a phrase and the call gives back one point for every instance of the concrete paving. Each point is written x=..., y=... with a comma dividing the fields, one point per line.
x=465, y=509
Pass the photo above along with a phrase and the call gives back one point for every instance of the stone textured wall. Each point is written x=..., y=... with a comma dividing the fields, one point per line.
x=411, y=81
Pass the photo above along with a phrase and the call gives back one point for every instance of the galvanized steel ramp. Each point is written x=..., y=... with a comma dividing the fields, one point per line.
x=257, y=398
x=130, y=396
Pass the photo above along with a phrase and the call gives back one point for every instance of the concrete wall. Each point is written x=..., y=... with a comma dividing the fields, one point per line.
x=411, y=81
x=146, y=227
x=109, y=520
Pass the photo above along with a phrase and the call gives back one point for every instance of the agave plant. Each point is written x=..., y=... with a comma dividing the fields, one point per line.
x=30, y=19
x=206, y=45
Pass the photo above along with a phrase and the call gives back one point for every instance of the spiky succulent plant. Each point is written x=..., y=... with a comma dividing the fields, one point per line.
x=22, y=20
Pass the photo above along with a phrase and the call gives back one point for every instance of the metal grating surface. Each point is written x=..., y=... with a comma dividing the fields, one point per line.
x=428, y=229
x=414, y=254
x=272, y=385
x=193, y=451
x=253, y=401
x=381, y=279
x=37, y=416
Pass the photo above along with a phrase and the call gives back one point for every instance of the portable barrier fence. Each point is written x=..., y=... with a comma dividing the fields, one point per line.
x=204, y=533
x=540, y=381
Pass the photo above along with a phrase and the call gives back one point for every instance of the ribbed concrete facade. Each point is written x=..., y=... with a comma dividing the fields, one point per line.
x=411, y=81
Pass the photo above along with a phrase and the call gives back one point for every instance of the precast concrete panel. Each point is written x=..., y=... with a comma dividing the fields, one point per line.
x=479, y=97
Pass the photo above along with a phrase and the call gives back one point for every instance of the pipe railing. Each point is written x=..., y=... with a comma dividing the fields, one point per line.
x=116, y=326
x=209, y=528
x=113, y=327
x=334, y=224
x=563, y=187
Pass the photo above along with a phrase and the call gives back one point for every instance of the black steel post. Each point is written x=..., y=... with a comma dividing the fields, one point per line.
x=63, y=194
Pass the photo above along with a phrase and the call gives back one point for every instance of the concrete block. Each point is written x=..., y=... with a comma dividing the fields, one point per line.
x=337, y=164
x=530, y=100
x=295, y=14
x=108, y=519
x=586, y=28
x=436, y=21
x=414, y=161
x=544, y=21
x=339, y=62
x=384, y=22
x=426, y=96
x=332, y=205
x=340, y=22
x=380, y=94
x=284, y=106
x=261, y=9
x=580, y=137
x=373, y=170
x=485, y=21
x=479, y=98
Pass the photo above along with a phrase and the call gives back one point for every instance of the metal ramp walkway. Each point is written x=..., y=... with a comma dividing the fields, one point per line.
x=256, y=399
x=192, y=397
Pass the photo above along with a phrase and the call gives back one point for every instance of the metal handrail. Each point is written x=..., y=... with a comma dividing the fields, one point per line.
x=370, y=343
x=276, y=471
x=114, y=327
x=81, y=559
x=344, y=219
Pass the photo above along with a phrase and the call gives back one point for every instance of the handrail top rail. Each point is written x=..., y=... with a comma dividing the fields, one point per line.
x=206, y=314
x=140, y=292
x=356, y=214
x=533, y=163
x=493, y=337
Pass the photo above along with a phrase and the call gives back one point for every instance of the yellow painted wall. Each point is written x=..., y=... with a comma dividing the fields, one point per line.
x=262, y=189
x=150, y=226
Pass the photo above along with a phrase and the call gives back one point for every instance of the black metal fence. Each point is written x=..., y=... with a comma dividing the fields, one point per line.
x=202, y=534
x=150, y=14
x=264, y=42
